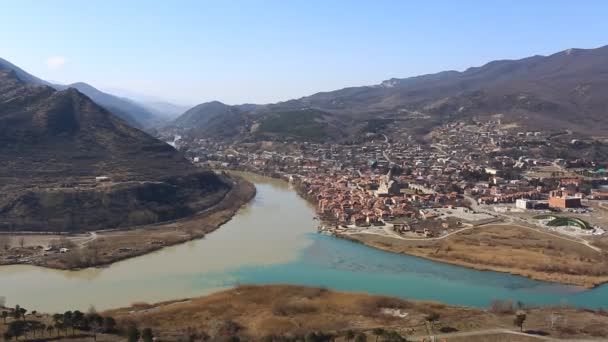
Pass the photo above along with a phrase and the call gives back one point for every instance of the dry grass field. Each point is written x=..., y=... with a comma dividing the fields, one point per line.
x=286, y=312
x=509, y=249
x=255, y=312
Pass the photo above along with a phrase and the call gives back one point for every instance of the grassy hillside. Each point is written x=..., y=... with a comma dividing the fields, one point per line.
x=294, y=313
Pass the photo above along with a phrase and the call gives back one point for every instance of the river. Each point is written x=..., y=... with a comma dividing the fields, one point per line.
x=273, y=239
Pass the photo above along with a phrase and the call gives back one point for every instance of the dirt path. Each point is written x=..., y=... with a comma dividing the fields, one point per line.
x=493, y=332
x=92, y=237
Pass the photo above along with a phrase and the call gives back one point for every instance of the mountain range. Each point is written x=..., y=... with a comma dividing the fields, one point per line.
x=136, y=114
x=53, y=146
x=56, y=139
x=566, y=90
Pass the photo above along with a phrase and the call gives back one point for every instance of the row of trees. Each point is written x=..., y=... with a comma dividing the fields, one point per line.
x=17, y=313
x=69, y=323
x=66, y=323
x=90, y=322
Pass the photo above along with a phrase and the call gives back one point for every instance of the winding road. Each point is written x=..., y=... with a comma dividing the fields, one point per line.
x=384, y=154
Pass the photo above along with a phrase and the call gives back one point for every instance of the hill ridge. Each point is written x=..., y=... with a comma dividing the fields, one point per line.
x=563, y=90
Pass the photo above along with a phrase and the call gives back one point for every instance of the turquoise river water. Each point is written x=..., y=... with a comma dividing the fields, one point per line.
x=273, y=239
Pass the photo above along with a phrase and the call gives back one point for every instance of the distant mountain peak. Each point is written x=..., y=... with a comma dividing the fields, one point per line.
x=390, y=83
x=135, y=114
x=213, y=103
x=82, y=85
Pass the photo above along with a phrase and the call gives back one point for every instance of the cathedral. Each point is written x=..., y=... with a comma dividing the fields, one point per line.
x=388, y=186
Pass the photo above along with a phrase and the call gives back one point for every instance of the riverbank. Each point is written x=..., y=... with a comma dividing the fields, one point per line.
x=106, y=247
x=257, y=312
x=269, y=241
x=288, y=312
x=501, y=248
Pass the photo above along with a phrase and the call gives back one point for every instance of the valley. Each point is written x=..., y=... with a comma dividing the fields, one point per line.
x=484, y=191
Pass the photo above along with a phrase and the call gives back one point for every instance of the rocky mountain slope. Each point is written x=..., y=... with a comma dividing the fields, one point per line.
x=53, y=145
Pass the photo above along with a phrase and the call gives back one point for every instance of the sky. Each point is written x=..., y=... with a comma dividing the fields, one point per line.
x=251, y=51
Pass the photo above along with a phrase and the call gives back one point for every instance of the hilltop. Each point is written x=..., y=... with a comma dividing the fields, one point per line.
x=133, y=113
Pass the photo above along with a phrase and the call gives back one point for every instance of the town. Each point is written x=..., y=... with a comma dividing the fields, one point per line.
x=402, y=188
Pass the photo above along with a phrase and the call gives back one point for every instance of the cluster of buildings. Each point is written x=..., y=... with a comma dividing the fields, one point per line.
x=381, y=179
x=368, y=198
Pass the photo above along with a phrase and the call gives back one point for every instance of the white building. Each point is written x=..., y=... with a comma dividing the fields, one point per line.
x=523, y=203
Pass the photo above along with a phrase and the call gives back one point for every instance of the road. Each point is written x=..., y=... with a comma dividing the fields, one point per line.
x=92, y=237
x=439, y=148
x=384, y=154
x=491, y=332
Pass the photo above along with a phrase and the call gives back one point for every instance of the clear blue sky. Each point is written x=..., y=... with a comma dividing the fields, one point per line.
x=267, y=51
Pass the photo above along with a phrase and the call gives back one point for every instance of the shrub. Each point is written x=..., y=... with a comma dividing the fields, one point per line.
x=502, y=307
